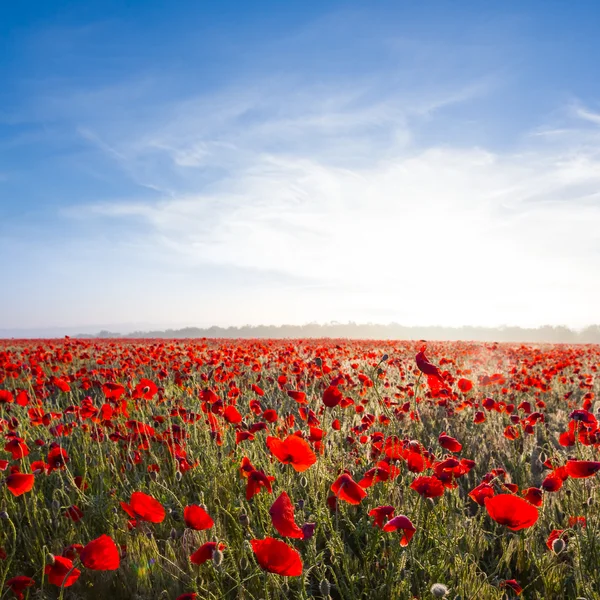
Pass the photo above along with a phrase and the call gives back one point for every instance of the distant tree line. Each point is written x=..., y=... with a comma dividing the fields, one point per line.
x=545, y=334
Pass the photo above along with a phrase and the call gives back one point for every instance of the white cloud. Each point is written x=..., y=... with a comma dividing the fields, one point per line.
x=331, y=195
x=588, y=115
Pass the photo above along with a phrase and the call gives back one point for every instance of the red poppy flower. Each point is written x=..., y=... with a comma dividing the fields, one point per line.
x=479, y=417
x=19, y=483
x=113, y=391
x=6, y=397
x=17, y=447
x=72, y=551
x=18, y=584
x=403, y=523
x=61, y=572
x=282, y=516
x=57, y=458
x=513, y=584
x=299, y=397
x=256, y=480
x=257, y=390
x=332, y=396
x=74, y=513
x=232, y=415
x=464, y=385
x=552, y=483
x=449, y=443
x=144, y=507
x=481, y=492
x=197, y=518
x=580, y=469
x=205, y=552
x=425, y=366
x=188, y=596
x=415, y=462
x=428, y=487
x=512, y=511
x=382, y=514
x=100, y=554
x=145, y=389
x=533, y=495
x=293, y=451
x=345, y=488
x=277, y=557
x=383, y=471
x=575, y=521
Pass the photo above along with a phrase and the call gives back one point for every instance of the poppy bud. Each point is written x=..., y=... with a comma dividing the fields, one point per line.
x=173, y=533
x=217, y=558
x=300, y=504
x=178, y=476
x=303, y=481
x=308, y=530
x=439, y=590
x=244, y=519
x=324, y=588
x=55, y=505
x=3, y=515
x=558, y=545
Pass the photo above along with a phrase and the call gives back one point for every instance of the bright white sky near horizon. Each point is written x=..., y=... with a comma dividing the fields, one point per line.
x=173, y=164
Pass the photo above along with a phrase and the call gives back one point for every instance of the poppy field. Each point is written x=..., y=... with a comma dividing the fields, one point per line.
x=261, y=469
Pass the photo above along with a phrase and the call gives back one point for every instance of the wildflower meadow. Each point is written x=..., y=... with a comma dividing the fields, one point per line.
x=261, y=469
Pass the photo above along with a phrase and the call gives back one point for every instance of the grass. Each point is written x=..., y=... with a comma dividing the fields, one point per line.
x=456, y=543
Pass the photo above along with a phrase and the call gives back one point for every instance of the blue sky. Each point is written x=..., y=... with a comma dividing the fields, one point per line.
x=195, y=163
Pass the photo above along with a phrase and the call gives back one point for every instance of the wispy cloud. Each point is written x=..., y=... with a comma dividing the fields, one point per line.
x=335, y=192
x=588, y=115
x=341, y=168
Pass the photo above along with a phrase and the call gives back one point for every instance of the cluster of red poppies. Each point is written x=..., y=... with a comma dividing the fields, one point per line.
x=280, y=403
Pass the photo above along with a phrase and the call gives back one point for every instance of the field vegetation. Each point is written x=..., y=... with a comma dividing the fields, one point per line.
x=275, y=469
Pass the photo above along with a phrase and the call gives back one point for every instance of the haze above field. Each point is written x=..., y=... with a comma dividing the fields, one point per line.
x=166, y=164
x=391, y=331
